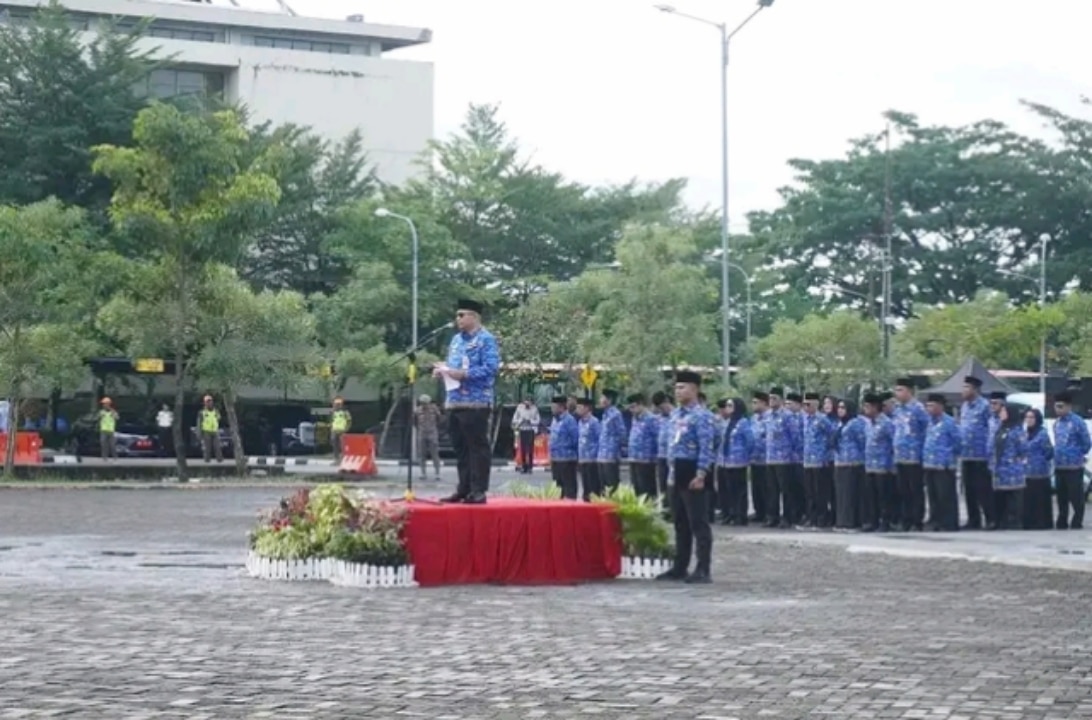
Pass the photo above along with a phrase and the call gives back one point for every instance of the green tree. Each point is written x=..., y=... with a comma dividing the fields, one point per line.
x=39, y=342
x=188, y=190
x=60, y=95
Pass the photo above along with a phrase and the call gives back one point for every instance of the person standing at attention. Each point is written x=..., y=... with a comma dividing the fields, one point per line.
x=939, y=455
x=427, y=416
x=340, y=422
x=612, y=440
x=760, y=405
x=911, y=422
x=164, y=422
x=690, y=455
x=564, y=447
x=661, y=403
x=108, y=426
x=1037, y=511
x=974, y=424
x=470, y=373
x=1071, y=447
x=525, y=423
x=1009, y=469
x=588, y=449
x=644, y=439
x=208, y=422
x=818, y=474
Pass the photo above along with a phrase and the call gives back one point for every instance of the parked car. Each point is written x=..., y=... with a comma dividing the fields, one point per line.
x=131, y=441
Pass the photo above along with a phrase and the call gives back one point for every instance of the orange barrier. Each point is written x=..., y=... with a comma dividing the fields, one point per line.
x=541, y=451
x=358, y=455
x=28, y=448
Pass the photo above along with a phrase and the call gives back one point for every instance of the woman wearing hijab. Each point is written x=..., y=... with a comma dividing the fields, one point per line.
x=1037, y=510
x=849, y=456
x=733, y=458
x=1008, y=464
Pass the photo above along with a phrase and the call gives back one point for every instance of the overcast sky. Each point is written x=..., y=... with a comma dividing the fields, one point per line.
x=606, y=90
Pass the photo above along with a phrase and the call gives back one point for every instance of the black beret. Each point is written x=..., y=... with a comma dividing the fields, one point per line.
x=998, y=395
x=972, y=380
x=936, y=398
x=472, y=305
x=688, y=376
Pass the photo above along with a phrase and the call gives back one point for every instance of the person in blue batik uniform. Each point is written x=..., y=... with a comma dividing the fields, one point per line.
x=1010, y=469
x=974, y=424
x=733, y=457
x=780, y=434
x=996, y=402
x=878, y=488
x=473, y=360
x=939, y=455
x=564, y=447
x=588, y=449
x=849, y=453
x=1040, y=468
x=691, y=455
x=644, y=437
x=794, y=402
x=911, y=422
x=1071, y=448
x=612, y=440
x=760, y=406
x=818, y=476
x=663, y=408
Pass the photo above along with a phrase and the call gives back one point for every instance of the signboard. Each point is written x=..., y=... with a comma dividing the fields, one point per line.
x=149, y=365
x=588, y=376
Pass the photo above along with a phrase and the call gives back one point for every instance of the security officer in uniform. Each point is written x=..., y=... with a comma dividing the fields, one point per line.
x=340, y=422
x=690, y=455
x=208, y=422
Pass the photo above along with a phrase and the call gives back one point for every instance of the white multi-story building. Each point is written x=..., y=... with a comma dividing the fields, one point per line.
x=331, y=75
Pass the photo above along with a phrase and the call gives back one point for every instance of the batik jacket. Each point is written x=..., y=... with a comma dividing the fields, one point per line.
x=564, y=438
x=692, y=435
x=612, y=435
x=974, y=424
x=879, y=445
x=1071, y=442
x=818, y=433
x=1040, y=455
x=943, y=444
x=589, y=439
x=911, y=422
x=644, y=438
x=1011, y=456
x=736, y=449
x=850, y=441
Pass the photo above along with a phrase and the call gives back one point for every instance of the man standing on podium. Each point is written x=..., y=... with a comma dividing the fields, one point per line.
x=469, y=375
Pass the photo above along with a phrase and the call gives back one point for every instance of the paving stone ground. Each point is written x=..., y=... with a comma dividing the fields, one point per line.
x=134, y=605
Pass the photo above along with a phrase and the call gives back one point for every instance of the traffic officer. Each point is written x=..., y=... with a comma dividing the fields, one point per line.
x=108, y=425
x=208, y=421
x=340, y=422
x=690, y=455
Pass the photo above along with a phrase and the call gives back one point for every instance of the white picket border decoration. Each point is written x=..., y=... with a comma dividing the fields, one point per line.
x=338, y=572
x=634, y=568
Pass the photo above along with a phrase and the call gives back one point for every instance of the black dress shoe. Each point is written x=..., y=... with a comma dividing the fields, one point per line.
x=672, y=576
x=698, y=577
x=475, y=499
x=453, y=499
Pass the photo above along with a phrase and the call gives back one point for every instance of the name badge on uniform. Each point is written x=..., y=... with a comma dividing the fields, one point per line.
x=680, y=428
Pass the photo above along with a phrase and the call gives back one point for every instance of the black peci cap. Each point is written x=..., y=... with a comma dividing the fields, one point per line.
x=873, y=399
x=972, y=380
x=905, y=382
x=559, y=400
x=998, y=395
x=636, y=399
x=936, y=398
x=778, y=391
x=586, y=402
x=795, y=397
x=659, y=397
x=688, y=376
x=469, y=305
x=886, y=395
x=811, y=396
x=759, y=395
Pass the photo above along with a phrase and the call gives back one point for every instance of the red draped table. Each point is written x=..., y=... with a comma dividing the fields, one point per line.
x=513, y=540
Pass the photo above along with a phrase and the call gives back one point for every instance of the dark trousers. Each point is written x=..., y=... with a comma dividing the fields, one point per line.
x=589, y=480
x=871, y=488
x=1038, y=514
x=661, y=476
x=469, y=430
x=796, y=493
x=1070, y=488
x=166, y=442
x=758, y=491
x=911, y=489
x=732, y=494
x=610, y=475
x=1009, y=509
x=847, y=495
x=643, y=477
x=690, y=509
x=713, y=498
x=564, y=474
x=526, y=450
x=818, y=488
x=890, y=505
x=777, y=489
x=940, y=485
x=977, y=493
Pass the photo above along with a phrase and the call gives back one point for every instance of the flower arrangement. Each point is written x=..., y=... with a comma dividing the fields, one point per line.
x=328, y=522
x=644, y=534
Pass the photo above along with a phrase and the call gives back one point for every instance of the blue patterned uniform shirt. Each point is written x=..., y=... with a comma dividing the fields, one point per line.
x=564, y=437
x=612, y=435
x=797, y=436
x=1010, y=467
x=880, y=445
x=644, y=438
x=780, y=431
x=850, y=441
x=736, y=449
x=974, y=423
x=758, y=438
x=479, y=356
x=1071, y=442
x=818, y=433
x=1040, y=455
x=692, y=435
x=911, y=422
x=664, y=439
x=589, y=439
x=943, y=444
x=991, y=438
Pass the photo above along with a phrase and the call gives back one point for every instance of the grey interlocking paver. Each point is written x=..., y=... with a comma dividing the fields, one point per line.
x=134, y=605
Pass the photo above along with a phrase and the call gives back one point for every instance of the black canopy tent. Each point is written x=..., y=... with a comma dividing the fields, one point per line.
x=952, y=388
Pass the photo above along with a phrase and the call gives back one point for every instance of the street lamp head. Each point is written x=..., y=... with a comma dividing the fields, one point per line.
x=765, y=3
x=665, y=8
x=382, y=212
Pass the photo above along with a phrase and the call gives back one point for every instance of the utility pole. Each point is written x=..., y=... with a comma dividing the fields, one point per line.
x=888, y=256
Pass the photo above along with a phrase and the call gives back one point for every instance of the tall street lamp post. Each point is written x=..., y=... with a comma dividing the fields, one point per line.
x=1043, y=242
x=725, y=41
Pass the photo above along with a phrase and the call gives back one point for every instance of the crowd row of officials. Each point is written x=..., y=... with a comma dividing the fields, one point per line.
x=816, y=462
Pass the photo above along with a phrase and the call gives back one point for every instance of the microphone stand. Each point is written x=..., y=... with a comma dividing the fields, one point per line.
x=409, y=379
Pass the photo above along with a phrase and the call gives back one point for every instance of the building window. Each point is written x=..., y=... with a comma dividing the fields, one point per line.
x=304, y=45
x=182, y=34
x=171, y=83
